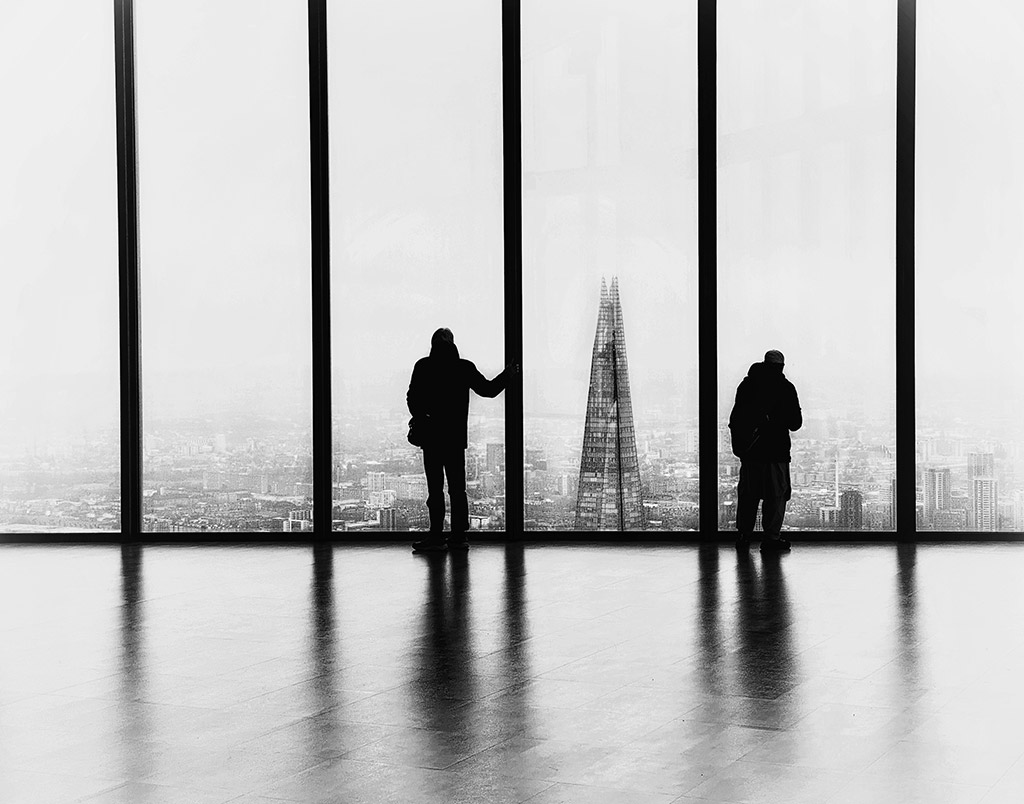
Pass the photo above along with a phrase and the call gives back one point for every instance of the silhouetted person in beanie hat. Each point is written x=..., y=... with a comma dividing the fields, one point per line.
x=766, y=410
x=438, y=400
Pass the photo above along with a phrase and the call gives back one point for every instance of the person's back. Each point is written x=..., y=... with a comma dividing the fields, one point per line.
x=439, y=391
x=438, y=400
x=766, y=402
x=767, y=409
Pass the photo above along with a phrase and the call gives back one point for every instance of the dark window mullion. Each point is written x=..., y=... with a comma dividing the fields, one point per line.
x=906, y=420
x=128, y=271
x=319, y=186
x=707, y=271
x=512, y=192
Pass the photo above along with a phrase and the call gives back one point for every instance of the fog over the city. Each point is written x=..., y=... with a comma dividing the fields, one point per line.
x=806, y=211
x=970, y=208
x=416, y=187
x=58, y=221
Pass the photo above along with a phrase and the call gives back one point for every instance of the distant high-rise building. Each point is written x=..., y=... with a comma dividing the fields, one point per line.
x=472, y=466
x=936, y=493
x=536, y=459
x=609, y=496
x=299, y=521
x=979, y=465
x=375, y=481
x=495, y=458
x=383, y=499
x=1018, y=510
x=851, y=510
x=892, y=504
x=983, y=510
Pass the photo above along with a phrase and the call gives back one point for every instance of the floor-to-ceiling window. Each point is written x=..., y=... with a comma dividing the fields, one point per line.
x=806, y=243
x=223, y=140
x=59, y=404
x=969, y=263
x=610, y=265
x=416, y=243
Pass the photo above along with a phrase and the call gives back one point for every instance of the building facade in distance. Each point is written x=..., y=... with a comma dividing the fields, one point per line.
x=609, y=495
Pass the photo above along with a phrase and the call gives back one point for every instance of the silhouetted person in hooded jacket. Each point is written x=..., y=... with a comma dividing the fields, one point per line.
x=766, y=410
x=439, y=403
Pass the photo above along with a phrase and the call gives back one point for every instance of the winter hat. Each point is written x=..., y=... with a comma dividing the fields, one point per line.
x=774, y=356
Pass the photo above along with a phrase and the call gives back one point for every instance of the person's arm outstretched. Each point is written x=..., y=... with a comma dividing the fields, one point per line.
x=484, y=387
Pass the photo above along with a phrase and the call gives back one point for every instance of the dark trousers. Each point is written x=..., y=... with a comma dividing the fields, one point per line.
x=765, y=481
x=438, y=462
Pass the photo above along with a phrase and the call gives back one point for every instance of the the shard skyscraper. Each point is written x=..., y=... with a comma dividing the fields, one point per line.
x=609, y=492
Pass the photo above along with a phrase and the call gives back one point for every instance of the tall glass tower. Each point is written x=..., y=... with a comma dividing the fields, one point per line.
x=609, y=495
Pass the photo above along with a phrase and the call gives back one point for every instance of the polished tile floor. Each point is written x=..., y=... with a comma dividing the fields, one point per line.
x=548, y=674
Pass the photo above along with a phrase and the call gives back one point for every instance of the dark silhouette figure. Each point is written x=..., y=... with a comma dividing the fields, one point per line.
x=439, y=403
x=766, y=410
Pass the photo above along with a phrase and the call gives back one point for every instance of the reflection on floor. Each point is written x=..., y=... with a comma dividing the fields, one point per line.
x=546, y=674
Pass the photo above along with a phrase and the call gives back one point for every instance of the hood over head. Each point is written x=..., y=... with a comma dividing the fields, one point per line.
x=442, y=344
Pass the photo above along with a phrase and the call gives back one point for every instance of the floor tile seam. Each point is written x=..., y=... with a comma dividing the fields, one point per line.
x=542, y=675
x=592, y=705
x=861, y=776
x=963, y=744
x=360, y=766
x=681, y=719
x=756, y=726
x=586, y=704
x=153, y=779
x=370, y=695
x=1018, y=763
x=31, y=766
x=593, y=787
x=831, y=705
x=170, y=787
x=781, y=767
x=806, y=766
x=449, y=766
x=116, y=781
x=546, y=673
x=583, y=600
x=907, y=771
x=278, y=690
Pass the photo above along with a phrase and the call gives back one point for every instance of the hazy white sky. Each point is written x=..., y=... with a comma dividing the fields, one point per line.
x=609, y=142
x=223, y=133
x=58, y=217
x=806, y=189
x=416, y=188
x=970, y=208
x=806, y=184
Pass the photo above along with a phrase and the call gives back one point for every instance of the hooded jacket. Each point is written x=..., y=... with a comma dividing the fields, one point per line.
x=766, y=402
x=439, y=389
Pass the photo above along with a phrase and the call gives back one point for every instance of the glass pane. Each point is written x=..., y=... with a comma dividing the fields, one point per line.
x=59, y=352
x=225, y=264
x=806, y=244
x=970, y=201
x=610, y=264
x=416, y=243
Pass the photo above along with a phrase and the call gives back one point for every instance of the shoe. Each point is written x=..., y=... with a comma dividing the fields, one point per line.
x=775, y=546
x=458, y=542
x=429, y=546
x=742, y=541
